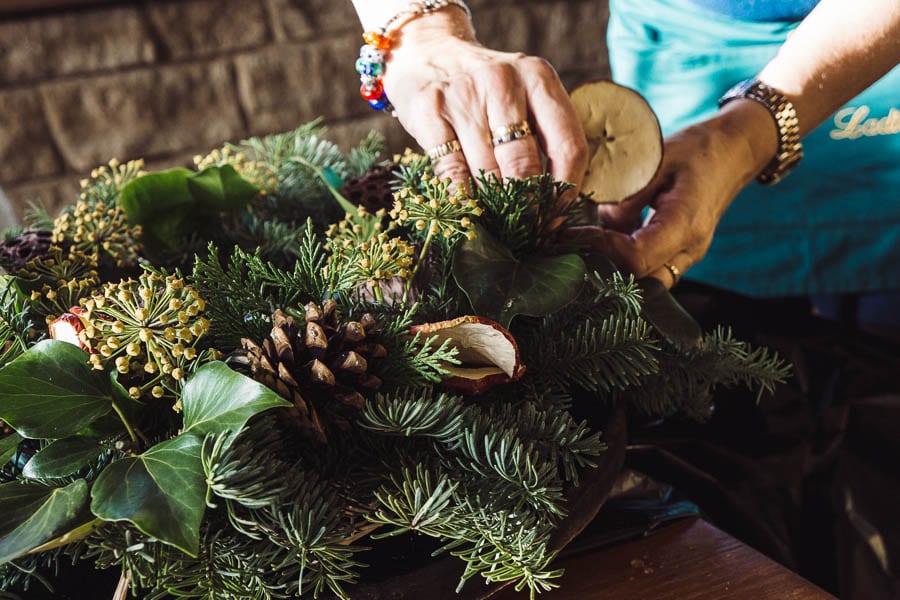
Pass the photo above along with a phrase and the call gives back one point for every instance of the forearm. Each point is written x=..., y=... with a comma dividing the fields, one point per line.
x=839, y=50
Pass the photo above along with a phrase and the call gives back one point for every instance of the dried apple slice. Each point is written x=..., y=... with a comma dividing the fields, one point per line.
x=488, y=353
x=624, y=139
x=68, y=326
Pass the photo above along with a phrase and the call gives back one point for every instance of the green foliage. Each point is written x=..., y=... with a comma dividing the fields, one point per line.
x=224, y=499
x=524, y=215
x=51, y=392
x=62, y=458
x=173, y=205
x=501, y=286
x=162, y=492
x=615, y=353
x=686, y=380
x=297, y=158
x=34, y=514
x=217, y=400
x=15, y=324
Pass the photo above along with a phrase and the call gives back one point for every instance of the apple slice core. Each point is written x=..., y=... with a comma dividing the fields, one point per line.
x=624, y=139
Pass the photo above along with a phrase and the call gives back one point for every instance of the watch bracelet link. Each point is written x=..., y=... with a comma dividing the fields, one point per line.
x=790, y=150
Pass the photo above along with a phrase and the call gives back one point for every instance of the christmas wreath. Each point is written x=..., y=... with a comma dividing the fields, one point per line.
x=232, y=381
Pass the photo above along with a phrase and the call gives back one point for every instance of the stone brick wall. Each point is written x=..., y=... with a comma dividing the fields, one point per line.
x=166, y=80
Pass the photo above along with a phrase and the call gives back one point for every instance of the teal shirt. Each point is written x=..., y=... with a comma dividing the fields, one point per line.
x=833, y=225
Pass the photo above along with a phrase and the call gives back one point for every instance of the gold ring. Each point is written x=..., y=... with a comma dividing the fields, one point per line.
x=510, y=133
x=445, y=149
x=675, y=272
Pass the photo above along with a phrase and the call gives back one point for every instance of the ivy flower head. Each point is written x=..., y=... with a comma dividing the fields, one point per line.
x=380, y=258
x=59, y=280
x=108, y=180
x=436, y=210
x=100, y=229
x=146, y=328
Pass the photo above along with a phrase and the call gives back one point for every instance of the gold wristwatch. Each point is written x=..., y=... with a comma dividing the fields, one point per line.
x=790, y=151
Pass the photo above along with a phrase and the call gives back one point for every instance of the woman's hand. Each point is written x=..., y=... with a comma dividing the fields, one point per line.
x=703, y=169
x=445, y=87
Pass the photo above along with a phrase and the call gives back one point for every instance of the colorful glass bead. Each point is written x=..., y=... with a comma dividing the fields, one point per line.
x=364, y=67
x=380, y=103
x=372, y=92
x=382, y=42
x=371, y=54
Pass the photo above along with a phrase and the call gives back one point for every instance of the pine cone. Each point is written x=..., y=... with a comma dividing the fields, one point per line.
x=323, y=368
x=372, y=190
x=17, y=251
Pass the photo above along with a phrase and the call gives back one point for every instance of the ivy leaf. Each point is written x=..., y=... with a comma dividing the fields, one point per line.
x=161, y=203
x=217, y=399
x=162, y=492
x=220, y=188
x=500, y=286
x=8, y=447
x=69, y=537
x=668, y=317
x=34, y=514
x=62, y=458
x=51, y=391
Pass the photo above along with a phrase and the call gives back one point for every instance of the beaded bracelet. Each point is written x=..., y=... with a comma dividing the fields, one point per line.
x=372, y=55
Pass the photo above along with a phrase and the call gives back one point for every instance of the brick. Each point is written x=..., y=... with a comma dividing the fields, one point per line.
x=51, y=45
x=52, y=194
x=205, y=27
x=348, y=134
x=26, y=149
x=568, y=34
x=303, y=19
x=284, y=86
x=146, y=113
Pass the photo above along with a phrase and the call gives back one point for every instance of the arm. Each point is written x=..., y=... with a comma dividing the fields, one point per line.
x=840, y=49
x=446, y=86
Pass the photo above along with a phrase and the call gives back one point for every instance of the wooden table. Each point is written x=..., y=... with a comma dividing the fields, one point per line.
x=689, y=560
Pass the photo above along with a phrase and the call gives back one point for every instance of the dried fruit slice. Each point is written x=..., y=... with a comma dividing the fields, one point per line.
x=68, y=327
x=624, y=138
x=488, y=353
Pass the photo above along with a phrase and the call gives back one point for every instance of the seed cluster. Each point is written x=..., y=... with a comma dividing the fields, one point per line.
x=148, y=329
x=435, y=209
x=59, y=280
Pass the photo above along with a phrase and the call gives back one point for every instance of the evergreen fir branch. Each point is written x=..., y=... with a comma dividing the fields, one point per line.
x=497, y=464
x=366, y=154
x=617, y=295
x=555, y=432
x=121, y=546
x=508, y=549
x=29, y=572
x=237, y=307
x=412, y=412
x=277, y=241
x=37, y=216
x=738, y=363
x=686, y=381
x=299, y=191
x=310, y=530
x=614, y=354
x=243, y=294
x=420, y=501
x=418, y=361
x=246, y=467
